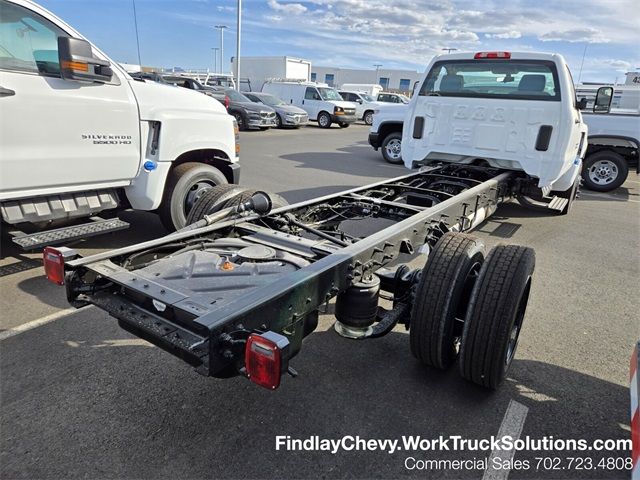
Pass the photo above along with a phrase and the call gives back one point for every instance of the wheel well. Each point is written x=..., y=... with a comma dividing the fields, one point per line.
x=215, y=158
x=387, y=128
x=631, y=154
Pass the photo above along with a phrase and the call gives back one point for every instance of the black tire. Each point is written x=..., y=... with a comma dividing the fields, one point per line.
x=368, y=117
x=185, y=184
x=495, y=315
x=212, y=200
x=225, y=196
x=392, y=148
x=343, y=125
x=442, y=297
x=604, y=171
x=278, y=121
x=324, y=120
x=240, y=120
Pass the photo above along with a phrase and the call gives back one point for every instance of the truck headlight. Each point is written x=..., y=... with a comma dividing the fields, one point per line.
x=338, y=110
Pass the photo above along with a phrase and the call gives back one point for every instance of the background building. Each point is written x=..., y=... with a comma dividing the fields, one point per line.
x=389, y=79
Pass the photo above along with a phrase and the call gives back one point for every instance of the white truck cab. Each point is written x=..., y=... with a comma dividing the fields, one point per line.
x=365, y=104
x=515, y=111
x=79, y=136
x=321, y=102
x=614, y=137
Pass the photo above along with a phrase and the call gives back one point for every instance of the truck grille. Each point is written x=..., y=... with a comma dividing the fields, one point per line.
x=349, y=111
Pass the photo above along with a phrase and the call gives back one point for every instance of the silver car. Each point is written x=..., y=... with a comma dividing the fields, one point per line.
x=286, y=115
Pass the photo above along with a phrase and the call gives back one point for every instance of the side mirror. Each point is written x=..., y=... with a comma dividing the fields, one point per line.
x=603, y=100
x=581, y=104
x=77, y=61
x=359, y=101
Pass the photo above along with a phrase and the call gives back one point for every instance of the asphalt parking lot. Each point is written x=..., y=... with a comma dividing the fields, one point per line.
x=83, y=399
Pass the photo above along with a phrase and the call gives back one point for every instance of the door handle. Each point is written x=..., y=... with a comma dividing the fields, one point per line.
x=6, y=92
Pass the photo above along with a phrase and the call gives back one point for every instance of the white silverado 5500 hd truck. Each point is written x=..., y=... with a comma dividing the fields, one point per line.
x=79, y=136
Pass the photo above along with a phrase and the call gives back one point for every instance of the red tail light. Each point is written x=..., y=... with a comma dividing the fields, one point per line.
x=53, y=265
x=266, y=358
x=226, y=102
x=53, y=259
x=502, y=55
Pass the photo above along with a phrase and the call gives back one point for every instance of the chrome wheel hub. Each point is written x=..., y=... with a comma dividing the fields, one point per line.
x=603, y=172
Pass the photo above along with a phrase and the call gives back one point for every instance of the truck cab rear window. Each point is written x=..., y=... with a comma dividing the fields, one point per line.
x=517, y=80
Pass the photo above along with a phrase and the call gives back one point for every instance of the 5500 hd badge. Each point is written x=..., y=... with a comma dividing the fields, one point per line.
x=108, y=139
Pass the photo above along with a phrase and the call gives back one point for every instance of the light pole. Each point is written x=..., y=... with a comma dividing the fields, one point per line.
x=377, y=65
x=215, y=59
x=221, y=28
x=238, y=37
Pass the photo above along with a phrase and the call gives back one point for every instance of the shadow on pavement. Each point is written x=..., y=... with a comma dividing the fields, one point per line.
x=106, y=405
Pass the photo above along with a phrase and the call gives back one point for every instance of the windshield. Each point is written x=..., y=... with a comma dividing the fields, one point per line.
x=235, y=96
x=518, y=79
x=329, y=93
x=270, y=100
x=367, y=98
x=404, y=98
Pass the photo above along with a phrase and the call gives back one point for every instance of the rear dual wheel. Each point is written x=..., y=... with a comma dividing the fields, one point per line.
x=468, y=305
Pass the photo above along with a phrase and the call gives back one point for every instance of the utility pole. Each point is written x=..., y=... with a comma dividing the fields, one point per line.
x=221, y=28
x=238, y=38
x=584, y=53
x=377, y=65
x=135, y=21
x=215, y=59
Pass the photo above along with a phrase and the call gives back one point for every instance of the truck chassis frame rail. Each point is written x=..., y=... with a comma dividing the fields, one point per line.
x=207, y=294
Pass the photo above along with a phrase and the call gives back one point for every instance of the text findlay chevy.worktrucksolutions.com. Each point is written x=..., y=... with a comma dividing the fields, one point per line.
x=449, y=443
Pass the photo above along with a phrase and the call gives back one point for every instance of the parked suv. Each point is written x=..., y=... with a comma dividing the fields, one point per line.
x=365, y=104
x=286, y=115
x=248, y=114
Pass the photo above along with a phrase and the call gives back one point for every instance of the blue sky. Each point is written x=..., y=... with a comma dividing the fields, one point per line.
x=360, y=33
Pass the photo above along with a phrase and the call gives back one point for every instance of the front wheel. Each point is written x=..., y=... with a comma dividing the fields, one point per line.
x=391, y=148
x=242, y=125
x=186, y=183
x=278, y=121
x=368, y=117
x=324, y=120
x=604, y=171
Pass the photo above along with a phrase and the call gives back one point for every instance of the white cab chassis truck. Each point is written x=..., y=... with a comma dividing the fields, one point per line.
x=238, y=289
x=80, y=137
x=514, y=111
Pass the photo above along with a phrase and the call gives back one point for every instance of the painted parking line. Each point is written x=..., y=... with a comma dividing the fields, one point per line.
x=38, y=322
x=512, y=425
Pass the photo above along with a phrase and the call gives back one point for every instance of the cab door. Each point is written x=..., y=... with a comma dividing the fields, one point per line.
x=312, y=102
x=58, y=135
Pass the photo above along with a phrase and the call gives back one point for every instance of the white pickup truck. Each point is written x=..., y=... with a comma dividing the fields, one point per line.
x=614, y=141
x=79, y=136
x=515, y=111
